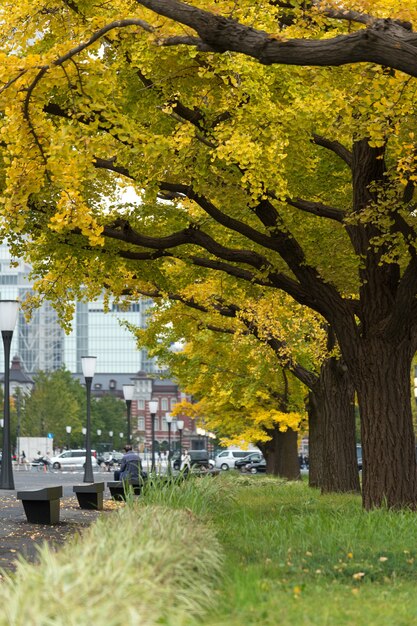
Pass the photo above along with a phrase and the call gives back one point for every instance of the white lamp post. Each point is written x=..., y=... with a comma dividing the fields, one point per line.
x=180, y=426
x=8, y=316
x=111, y=438
x=128, y=391
x=68, y=429
x=89, y=367
x=153, y=407
x=168, y=418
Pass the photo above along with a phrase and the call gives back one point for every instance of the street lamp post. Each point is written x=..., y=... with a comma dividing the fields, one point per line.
x=168, y=418
x=89, y=367
x=121, y=435
x=8, y=317
x=68, y=429
x=180, y=426
x=111, y=439
x=18, y=406
x=128, y=391
x=153, y=407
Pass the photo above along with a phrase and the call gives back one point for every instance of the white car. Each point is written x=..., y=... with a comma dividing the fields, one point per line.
x=227, y=459
x=72, y=459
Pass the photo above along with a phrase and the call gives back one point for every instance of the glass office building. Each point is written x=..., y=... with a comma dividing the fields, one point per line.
x=41, y=343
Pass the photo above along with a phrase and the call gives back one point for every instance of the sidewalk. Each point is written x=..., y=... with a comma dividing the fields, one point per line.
x=19, y=537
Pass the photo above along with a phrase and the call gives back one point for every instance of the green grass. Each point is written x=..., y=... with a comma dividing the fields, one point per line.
x=226, y=551
x=293, y=556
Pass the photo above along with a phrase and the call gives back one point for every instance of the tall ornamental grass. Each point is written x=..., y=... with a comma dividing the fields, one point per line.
x=141, y=565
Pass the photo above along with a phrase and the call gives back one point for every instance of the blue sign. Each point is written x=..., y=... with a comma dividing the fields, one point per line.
x=50, y=435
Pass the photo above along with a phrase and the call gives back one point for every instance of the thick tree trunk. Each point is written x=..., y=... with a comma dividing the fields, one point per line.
x=334, y=430
x=281, y=454
x=382, y=380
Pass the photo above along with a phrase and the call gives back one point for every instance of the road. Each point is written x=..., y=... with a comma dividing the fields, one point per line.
x=36, y=479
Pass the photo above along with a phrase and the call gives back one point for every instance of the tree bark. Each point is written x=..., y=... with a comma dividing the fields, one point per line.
x=315, y=441
x=281, y=454
x=334, y=430
x=382, y=380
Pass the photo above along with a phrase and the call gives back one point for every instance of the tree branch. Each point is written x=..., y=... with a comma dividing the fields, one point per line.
x=317, y=208
x=334, y=146
x=385, y=42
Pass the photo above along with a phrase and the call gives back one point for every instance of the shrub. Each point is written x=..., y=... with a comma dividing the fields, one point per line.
x=139, y=565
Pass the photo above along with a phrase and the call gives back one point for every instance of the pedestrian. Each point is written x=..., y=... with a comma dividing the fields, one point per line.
x=130, y=466
x=186, y=462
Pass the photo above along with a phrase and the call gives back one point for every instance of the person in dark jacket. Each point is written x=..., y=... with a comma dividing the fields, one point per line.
x=130, y=466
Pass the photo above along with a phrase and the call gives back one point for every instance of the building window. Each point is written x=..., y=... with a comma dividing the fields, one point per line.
x=164, y=404
x=173, y=403
x=141, y=403
x=141, y=423
x=97, y=385
x=112, y=384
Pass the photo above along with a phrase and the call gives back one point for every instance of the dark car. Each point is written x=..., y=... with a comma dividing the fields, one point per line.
x=109, y=459
x=253, y=457
x=254, y=468
x=359, y=456
x=199, y=458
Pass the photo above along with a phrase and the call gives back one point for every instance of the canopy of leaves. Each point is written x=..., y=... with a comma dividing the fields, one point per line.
x=252, y=161
x=240, y=389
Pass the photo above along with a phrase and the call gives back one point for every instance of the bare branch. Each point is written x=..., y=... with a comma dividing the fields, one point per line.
x=317, y=208
x=335, y=147
x=389, y=43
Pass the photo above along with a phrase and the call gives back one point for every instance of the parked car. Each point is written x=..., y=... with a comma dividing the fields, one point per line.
x=253, y=457
x=72, y=459
x=198, y=458
x=254, y=468
x=227, y=459
x=359, y=456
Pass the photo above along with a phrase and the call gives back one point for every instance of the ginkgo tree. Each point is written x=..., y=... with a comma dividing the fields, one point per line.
x=240, y=391
x=293, y=178
x=301, y=345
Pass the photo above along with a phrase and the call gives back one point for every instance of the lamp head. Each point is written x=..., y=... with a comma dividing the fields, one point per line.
x=89, y=366
x=8, y=314
x=153, y=407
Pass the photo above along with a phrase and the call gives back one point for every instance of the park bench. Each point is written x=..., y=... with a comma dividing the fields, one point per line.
x=90, y=496
x=119, y=488
x=41, y=505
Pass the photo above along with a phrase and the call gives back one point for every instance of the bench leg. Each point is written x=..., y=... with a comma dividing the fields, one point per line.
x=42, y=511
x=90, y=500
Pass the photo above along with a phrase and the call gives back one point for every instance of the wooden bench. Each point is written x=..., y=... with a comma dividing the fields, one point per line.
x=42, y=505
x=119, y=488
x=90, y=496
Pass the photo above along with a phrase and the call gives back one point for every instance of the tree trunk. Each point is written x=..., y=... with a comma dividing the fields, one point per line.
x=334, y=430
x=382, y=380
x=281, y=454
x=315, y=441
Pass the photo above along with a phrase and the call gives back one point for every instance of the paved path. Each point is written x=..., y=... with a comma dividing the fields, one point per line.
x=19, y=537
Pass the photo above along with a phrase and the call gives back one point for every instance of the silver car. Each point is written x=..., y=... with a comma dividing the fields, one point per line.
x=72, y=459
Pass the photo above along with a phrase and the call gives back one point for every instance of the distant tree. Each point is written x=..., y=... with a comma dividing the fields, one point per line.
x=57, y=401
x=108, y=414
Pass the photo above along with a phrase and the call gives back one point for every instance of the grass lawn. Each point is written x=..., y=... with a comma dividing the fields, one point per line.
x=225, y=551
x=293, y=556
